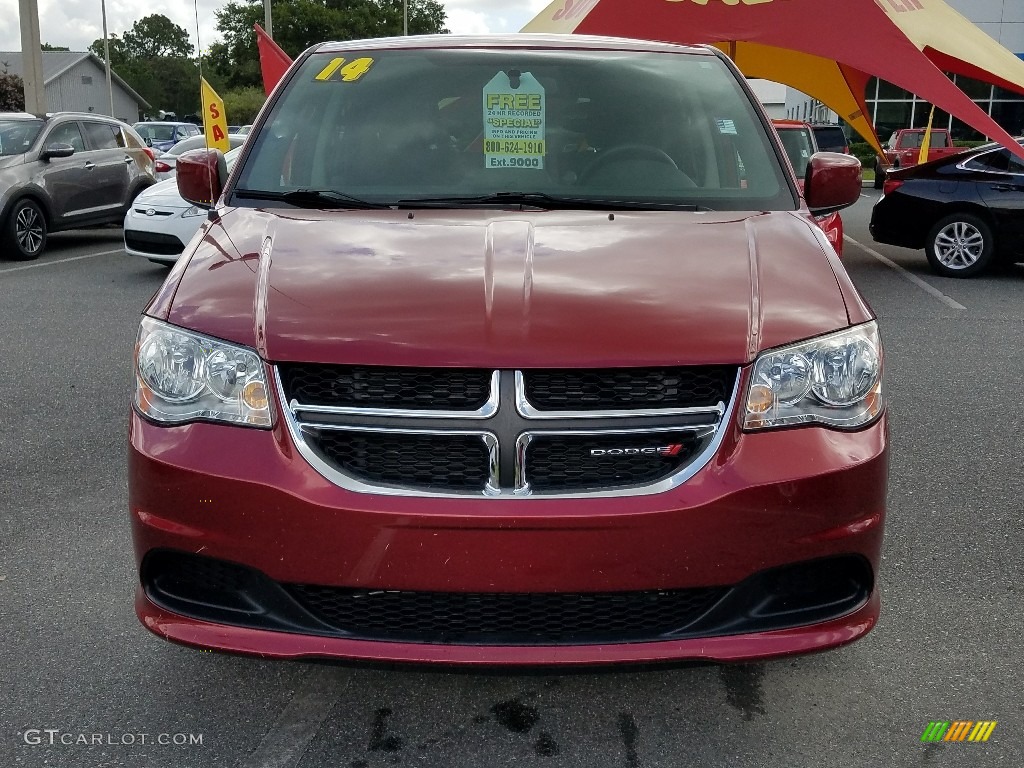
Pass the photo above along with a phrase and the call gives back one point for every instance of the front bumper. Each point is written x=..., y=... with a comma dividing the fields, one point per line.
x=161, y=236
x=765, y=500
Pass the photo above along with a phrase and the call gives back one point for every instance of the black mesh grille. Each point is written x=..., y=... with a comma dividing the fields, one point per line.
x=432, y=462
x=513, y=619
x=578, y=462
x=152, y=242
x=628, y=388
x=460, y=389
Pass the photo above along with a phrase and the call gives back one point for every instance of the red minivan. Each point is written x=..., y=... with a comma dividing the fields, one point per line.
x=509, y=350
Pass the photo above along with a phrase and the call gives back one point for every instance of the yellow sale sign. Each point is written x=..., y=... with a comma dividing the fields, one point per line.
x=215, y=119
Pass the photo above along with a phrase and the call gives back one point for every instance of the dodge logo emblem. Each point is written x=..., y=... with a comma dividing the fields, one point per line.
x=654, y=450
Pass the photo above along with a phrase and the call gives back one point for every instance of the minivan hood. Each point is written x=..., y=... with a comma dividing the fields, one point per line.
x=506, y=289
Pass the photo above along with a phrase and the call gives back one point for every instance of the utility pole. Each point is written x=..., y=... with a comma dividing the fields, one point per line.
x=268, y=25
x=32, y=57
x=106, y=54
x=405, y=17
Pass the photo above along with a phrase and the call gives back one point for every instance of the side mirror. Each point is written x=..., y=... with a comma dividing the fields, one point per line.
x=56, y=151
x=201, y=175
x=833, y=181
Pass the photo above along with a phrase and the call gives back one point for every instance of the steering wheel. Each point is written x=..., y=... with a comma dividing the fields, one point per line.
x=628, y=152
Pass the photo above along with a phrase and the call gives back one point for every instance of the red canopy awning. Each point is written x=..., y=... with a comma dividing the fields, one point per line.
x=889, y=39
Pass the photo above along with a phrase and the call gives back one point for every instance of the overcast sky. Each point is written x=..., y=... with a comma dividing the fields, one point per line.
x=76, y=23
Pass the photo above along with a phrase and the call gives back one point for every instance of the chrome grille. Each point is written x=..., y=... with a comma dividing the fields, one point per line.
x=415, y=432
x=628, y=388
x=571, y=462
x=431, y=461
x=381, y=387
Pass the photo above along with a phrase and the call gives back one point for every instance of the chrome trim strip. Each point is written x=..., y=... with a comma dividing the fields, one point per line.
x=528, y=411
x=487, y=410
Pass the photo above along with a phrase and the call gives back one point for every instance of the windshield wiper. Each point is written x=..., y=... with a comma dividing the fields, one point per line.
x=310, y=198
x=546, y=201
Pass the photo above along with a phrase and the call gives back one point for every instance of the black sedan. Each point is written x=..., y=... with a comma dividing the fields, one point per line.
x=966, y=211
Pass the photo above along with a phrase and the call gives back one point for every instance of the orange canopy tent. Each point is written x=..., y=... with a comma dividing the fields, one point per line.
x=902, y=41
x=837, y=86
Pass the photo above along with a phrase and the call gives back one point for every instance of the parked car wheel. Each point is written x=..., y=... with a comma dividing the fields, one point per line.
x=960, y=245
x=25, y=231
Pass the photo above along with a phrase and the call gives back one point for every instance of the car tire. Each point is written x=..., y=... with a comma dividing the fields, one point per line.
x=960, y=245
x=131, y=201
x=24, y=232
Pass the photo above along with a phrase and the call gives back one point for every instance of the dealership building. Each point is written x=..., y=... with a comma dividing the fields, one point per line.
x=891, y=108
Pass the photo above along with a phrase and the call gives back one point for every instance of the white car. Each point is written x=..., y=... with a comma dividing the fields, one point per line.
x=166, y=164
x=160, y=223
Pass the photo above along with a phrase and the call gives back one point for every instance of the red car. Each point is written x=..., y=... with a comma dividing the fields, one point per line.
x=799, y=140
x=507, y=350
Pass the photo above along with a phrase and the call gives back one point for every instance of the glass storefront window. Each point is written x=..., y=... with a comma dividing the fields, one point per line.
x=974, y=88
x=1010, y=115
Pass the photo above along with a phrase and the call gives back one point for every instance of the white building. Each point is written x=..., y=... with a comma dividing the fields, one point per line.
x=77, y=82
x=772, y=95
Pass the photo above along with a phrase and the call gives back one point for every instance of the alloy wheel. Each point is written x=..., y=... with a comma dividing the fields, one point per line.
x=28, y=229
x=959, y=245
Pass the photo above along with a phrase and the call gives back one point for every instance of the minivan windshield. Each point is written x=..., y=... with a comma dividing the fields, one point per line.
x=545, y=128
x=155, y=132
x=18, y=136
x=799, y=146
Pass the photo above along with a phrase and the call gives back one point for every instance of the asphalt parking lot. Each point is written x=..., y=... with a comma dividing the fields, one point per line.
x=77, y=666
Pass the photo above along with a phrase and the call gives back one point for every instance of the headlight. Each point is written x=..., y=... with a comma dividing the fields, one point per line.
x=193, y=211
x=834, y=380
x=182, y=376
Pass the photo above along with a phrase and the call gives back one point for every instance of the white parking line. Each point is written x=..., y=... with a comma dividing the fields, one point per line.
x=60, y=261
x=926, y=287
x=285, y=743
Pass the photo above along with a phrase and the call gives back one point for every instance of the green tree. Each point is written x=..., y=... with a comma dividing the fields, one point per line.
x=156, y=36
x=243, y=104
x=299, y=24
x=48, y=47
x=154, y=58
x=12, y=91
x=118, y=55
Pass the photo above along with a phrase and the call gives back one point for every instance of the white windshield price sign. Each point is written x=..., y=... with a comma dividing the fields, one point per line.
x=514, y=110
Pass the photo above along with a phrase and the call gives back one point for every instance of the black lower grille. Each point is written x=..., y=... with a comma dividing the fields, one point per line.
x=593, y=462
x=432, y=462
x=233, y=594
x=514, y=619
x=629, y=388
x=152, y=242
x=454, y=389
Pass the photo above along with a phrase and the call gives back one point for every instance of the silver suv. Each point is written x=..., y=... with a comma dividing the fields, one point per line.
x=65, y=171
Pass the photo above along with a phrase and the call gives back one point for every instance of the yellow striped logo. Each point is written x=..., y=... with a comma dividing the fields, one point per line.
x=958, y=730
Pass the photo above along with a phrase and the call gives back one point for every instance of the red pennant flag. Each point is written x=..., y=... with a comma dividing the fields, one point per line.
x=273, y=61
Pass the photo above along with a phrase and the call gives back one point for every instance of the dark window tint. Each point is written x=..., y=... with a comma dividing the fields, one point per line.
x=101, y=135
x=830, y=138
x=997, y=161
x=68, y=133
